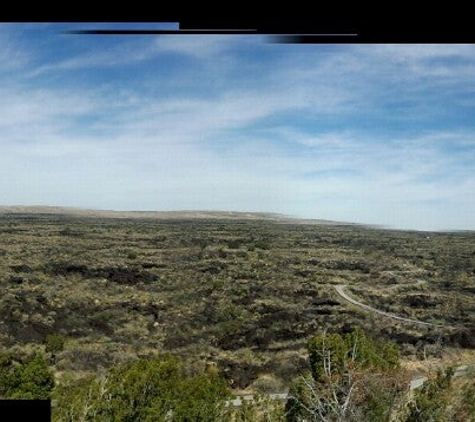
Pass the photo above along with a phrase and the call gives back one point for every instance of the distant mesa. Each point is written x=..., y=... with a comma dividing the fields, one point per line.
x=160, y=215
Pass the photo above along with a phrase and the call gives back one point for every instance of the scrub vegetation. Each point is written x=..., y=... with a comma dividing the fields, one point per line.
x=234, y=304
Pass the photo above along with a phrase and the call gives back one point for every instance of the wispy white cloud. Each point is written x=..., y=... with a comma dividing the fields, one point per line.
x=20, y=107
x=12, y=56
x=137, y=51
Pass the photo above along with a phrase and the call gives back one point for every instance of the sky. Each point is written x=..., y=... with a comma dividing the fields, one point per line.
x=375, y=134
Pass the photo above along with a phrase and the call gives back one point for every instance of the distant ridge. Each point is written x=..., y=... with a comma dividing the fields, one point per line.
x=161, y=215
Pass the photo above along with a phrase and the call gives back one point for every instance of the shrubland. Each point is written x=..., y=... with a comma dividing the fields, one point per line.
x=240, y=296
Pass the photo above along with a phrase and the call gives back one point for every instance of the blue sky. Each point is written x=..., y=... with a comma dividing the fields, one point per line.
x=377, y=134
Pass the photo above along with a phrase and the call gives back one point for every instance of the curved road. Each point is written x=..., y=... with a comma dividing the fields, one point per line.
x=340, y=289
x=414, y=383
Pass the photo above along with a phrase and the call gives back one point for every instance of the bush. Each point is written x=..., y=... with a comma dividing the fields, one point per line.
x=431, y=401
x=467, y=406
x=28, y=378
x=261, y=409
x=353, y=350
x=54, y=343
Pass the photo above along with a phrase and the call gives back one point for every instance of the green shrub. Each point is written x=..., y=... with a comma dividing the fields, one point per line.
x=261, y=409
x=54, y=343
x=27, y=378
x=353, y=350
x=467, y=407
x=431, y=401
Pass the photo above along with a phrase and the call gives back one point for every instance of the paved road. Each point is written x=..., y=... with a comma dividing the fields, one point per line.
x=340, y=289
x=419, y=381
x=414, y=384
x=239, y=400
